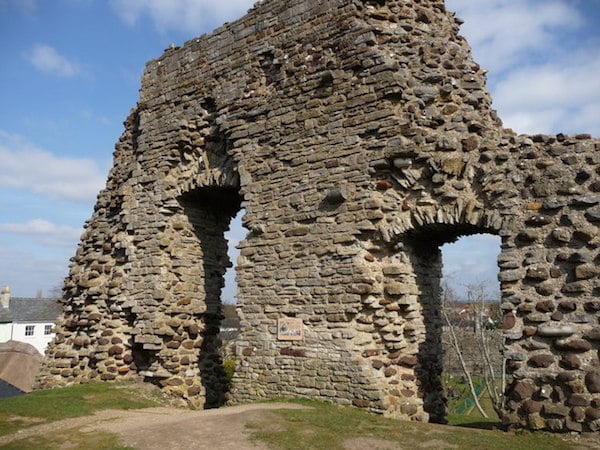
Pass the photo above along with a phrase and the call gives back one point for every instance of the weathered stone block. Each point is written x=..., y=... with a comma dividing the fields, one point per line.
x=509, y=276
x=592, y=382
x=538, y=273
x=592, y=413
x=545, y=306
x=570, y=362
x=556, y=409
x=578, y=400
x=531, y=406
x=522, y=390
x=508, y=321
x=542, y=360
x=573, y=345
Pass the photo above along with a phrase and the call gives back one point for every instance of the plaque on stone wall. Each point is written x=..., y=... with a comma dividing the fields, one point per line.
x=290, y=329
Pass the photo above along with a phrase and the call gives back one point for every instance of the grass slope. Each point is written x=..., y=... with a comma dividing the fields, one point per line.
x=320, y=426
x=40, y=407
x=335, y=427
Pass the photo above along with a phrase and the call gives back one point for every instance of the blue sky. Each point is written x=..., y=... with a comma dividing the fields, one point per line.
x=70, y=72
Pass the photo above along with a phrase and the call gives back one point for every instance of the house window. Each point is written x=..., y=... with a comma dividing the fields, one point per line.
x=47, y=330
x=29, y=330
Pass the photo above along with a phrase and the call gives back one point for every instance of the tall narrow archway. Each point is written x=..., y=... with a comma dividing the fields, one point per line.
x=210, y=211
x=425, y=247
x=472, y=338
x=401, y=322
x=234, y=236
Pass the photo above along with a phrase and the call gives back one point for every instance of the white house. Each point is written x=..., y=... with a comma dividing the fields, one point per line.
x=29, y=320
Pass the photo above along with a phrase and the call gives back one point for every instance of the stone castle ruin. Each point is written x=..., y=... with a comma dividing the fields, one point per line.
x=358, y=137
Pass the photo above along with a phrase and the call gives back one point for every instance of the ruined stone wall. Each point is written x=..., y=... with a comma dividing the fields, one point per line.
x=358, y=137
x=549, y=283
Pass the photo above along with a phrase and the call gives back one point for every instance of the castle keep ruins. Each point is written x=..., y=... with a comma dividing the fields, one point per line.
x=358, y=136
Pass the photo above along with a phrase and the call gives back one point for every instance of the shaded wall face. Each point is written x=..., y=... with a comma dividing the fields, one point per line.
x=343, y=128
x=427, y=261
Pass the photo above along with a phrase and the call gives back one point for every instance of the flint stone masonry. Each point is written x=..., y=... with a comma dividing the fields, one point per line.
x=358, y=136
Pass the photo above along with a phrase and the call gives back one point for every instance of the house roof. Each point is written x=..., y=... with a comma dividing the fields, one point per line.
x=34, y=309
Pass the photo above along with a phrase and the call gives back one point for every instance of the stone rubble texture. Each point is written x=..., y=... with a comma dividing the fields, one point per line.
x=358, y=136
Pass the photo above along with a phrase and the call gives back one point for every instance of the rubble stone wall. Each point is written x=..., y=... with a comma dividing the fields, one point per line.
x=358, y=137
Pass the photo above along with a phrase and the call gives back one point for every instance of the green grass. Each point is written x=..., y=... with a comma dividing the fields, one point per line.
x=320, y=425
x=73, y=401
x=462, y=394
x=329, y=426
x=229, y=367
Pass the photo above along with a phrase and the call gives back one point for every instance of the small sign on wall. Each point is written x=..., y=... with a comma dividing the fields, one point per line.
x=290, y=329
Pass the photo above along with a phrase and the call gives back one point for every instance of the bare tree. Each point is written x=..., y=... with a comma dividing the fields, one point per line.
x=483, y=324
x=476, y=296
x=457, y=348
x=56, y=291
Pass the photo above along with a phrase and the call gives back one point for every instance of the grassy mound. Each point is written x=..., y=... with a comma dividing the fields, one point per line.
x=51, y=405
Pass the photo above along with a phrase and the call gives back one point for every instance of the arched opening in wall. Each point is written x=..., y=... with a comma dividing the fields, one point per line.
x=210, y=212
x=230, y=325
x=472, y=336
x=425, y=248
x=234, y=235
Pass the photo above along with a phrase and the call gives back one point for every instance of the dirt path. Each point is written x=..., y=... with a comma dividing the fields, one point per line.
x=160, y=428
x=222, y=429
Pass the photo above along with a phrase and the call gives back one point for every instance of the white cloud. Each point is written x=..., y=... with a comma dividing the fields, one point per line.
x=26, y=167
x=46, y=59
x=472, y=260
x=181, y=15
x=26, y=272
x=502, y=32
x=40, y=227
x=560, y=96
x=543, y=75
x=35, y=255
x=486, y=237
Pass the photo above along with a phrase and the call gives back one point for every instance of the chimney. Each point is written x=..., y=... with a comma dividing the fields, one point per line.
x=5, y=297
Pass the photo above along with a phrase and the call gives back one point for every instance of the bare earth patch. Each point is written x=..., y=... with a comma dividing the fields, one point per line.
x=25, y=420
x=160, y=428
x=437, y=444
x=371, y=444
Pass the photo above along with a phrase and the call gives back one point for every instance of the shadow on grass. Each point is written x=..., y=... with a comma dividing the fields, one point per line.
x=480, y=425
x=475, y=422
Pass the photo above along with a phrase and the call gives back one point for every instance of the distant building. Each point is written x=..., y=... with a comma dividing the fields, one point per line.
x=229, y=331
x=28, y=320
